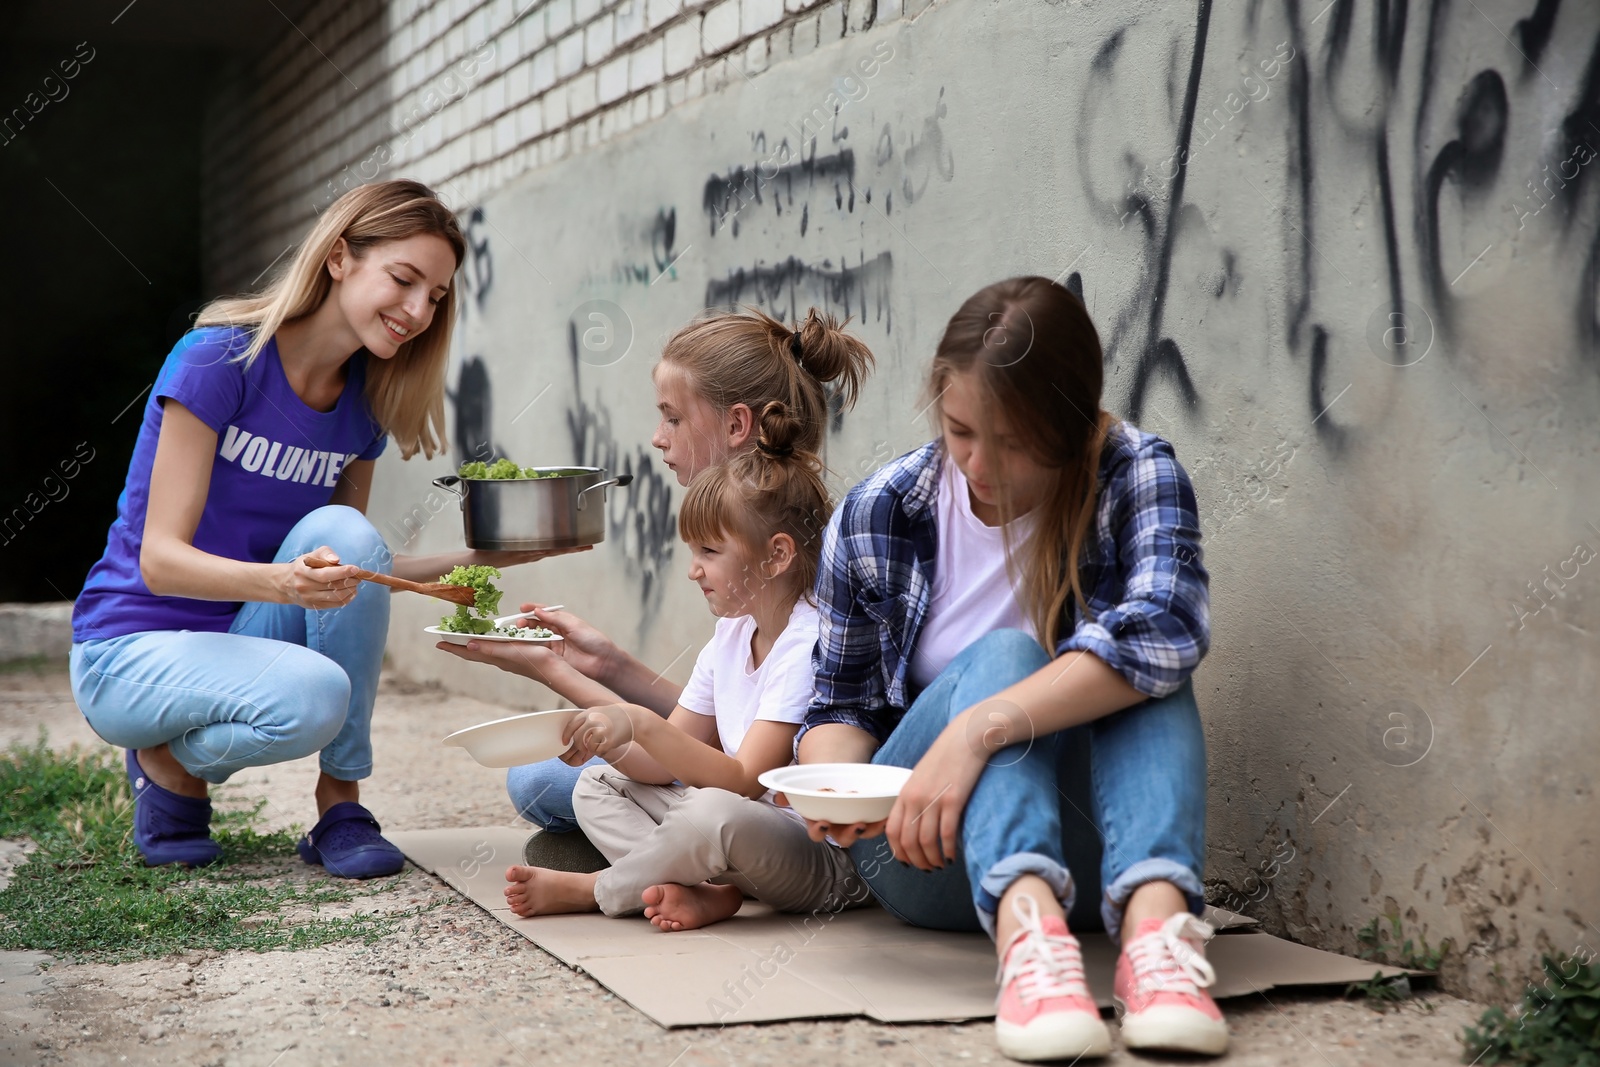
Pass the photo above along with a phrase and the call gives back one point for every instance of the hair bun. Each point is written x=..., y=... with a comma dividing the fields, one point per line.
x=822, y=348
x=777, y=430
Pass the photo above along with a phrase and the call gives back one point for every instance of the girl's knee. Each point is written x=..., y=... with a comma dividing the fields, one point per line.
x=1010, y=647
x=537, y=790
x=714, y=809
x=591, y=781
x=592, y=790
x=995, y=661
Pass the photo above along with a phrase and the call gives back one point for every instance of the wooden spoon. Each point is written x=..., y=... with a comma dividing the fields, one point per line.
x=456, y=594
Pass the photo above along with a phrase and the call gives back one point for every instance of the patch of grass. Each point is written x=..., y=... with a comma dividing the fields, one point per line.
x=85, y=892
x=31, y=664
x=36, y=784
x=1380, y=992
x=1556, y=1023
x=1380, y=940
x=1383, y=944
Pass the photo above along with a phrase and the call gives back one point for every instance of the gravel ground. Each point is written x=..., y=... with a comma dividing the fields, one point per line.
x=452, y=986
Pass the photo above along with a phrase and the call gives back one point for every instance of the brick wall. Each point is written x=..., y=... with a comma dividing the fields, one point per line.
x=465, y=95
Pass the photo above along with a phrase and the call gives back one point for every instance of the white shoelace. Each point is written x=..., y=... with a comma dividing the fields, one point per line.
x=1166, y=961
x=1043, y=965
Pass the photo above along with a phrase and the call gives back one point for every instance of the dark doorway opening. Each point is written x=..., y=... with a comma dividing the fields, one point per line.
x=101, y=114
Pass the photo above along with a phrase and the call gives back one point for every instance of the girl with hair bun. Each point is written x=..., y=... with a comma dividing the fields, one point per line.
x=203, y=641
x=716, y=375
x=675, y=804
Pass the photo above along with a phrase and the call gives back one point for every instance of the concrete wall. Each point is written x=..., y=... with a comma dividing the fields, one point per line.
x=1364, y=311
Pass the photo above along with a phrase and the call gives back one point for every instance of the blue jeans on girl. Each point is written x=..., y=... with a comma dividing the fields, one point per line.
x=1146, y=796
x=282, y=683
x=542, y=793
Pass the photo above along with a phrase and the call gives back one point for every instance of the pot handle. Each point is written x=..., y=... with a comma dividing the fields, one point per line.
x=619, y=481
x=451, y=483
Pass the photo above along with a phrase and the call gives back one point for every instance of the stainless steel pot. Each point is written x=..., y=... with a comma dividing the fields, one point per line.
x=535, y=513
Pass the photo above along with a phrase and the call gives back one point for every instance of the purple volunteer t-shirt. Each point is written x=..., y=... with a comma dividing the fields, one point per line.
x=277, y=461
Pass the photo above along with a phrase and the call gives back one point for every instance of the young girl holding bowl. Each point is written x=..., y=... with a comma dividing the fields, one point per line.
x=1034, y=570
x=675, y=803
x=714, y=377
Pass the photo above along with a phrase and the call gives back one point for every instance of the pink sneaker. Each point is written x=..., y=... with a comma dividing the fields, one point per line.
x=1160, y=991
x=1045, y=1011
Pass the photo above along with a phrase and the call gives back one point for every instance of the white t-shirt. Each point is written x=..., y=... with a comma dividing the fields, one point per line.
x=972, y=593
x=727, y=685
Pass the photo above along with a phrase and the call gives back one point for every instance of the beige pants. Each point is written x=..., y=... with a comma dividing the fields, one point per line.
x=654, y=834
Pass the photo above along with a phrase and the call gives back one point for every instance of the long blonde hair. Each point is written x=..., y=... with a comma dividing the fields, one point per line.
x=752, y=358
x=406, y=393
x=1037, y=358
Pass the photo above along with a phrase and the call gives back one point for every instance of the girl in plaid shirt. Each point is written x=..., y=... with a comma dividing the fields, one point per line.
x=1025, y=587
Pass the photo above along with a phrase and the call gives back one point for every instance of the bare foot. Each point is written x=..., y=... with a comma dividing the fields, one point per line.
x=164, y=770
x=687, y=907
x=537, y=891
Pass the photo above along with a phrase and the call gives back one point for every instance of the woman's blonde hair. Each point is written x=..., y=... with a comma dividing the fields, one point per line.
x=1037, y=358
x=406, y=393
x=774, y=488
x=752, y=358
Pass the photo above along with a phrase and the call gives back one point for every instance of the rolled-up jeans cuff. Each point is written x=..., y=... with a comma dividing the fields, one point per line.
x=1150, y=870
x=1001, y=875
x=358, y=773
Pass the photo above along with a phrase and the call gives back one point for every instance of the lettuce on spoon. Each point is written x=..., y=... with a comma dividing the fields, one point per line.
x=479, y=618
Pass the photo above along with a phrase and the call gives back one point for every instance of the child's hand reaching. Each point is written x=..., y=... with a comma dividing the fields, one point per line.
x=844, y=834
x=600, y=731
x=590, y=652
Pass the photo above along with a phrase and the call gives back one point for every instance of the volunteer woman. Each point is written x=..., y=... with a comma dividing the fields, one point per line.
x=203, y=642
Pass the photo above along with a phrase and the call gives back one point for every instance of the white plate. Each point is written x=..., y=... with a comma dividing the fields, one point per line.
x=461, y=639
x=839, y=793
x=530, y=738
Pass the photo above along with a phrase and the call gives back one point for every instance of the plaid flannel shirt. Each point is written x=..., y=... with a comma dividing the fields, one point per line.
x=1142, y=577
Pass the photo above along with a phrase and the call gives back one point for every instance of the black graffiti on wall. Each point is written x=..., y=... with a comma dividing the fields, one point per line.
x=476, y=276
x=1155, y=355
x=1533, y=32
x=1472, y=161
x=788, y=288
x=774, y=182
x=659, y=237
x=470, y=406
x=787, y=174
x=1432, y=146
x=927, y=154
x=640, y=518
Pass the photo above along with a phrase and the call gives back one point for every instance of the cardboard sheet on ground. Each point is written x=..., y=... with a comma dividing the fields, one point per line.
x=762, y=966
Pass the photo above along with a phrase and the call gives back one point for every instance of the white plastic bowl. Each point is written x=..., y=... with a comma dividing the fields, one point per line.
x=511, y=742
x=839, y=793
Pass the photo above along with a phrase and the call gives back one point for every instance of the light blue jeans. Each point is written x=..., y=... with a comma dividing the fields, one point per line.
x=542, y=793
x=1147, y=793
x=282, y=683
